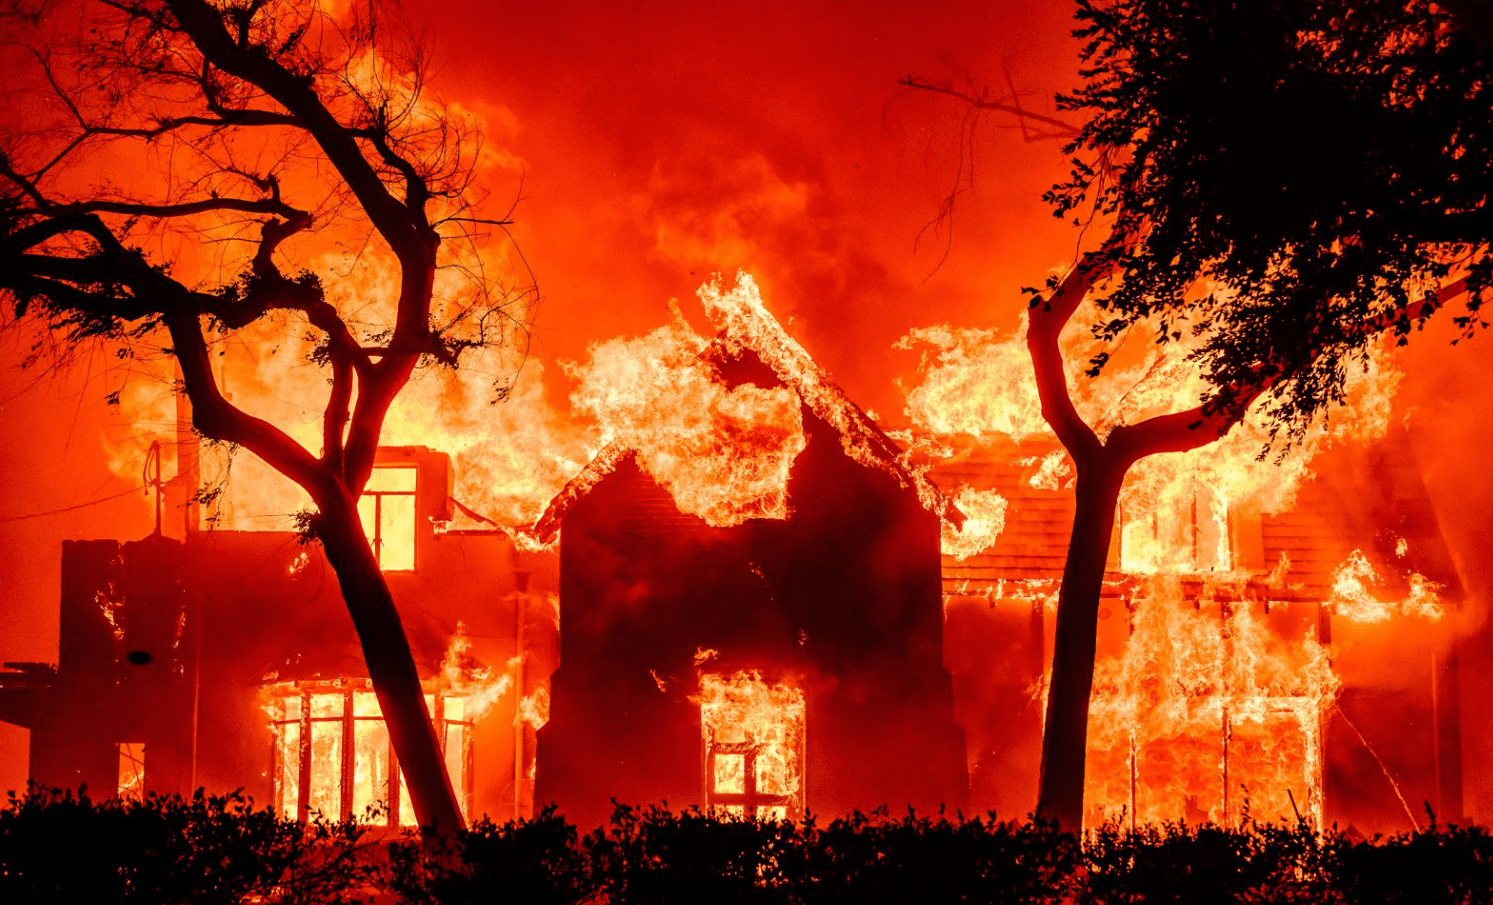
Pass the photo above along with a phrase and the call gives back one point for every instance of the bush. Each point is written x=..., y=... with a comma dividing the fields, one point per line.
x=56, y=846
x=874, y=858
x=60, y=847
x=536, y=862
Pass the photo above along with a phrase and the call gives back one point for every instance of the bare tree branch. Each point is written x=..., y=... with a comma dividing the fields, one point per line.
x=982, y=101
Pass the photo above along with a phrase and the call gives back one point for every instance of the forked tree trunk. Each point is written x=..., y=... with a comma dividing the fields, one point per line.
x=1065, y=729
x=391, y=666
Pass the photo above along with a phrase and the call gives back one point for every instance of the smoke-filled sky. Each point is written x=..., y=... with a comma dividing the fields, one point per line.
x=663, y=142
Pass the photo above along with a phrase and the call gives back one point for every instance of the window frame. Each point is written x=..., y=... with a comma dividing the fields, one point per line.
x=376, y=536
x=347, y=721
x=750, y=800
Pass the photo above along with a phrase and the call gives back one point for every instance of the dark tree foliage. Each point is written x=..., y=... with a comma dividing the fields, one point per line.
x=1319, y=169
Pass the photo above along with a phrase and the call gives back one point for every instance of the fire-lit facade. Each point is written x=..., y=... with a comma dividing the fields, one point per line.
x=225, y=659
x=819, y=635
x=835, y=612
x=1244, y=668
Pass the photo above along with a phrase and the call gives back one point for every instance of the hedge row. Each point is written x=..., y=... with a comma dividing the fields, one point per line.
x=62, y=847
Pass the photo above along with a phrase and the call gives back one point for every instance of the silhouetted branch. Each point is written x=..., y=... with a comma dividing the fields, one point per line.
x=983, y=101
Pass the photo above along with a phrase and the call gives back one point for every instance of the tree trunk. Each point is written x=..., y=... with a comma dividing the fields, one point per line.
x=1065, y=730
x=391, y=666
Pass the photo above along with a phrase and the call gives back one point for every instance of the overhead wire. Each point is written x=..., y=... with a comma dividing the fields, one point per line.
x=17, y=518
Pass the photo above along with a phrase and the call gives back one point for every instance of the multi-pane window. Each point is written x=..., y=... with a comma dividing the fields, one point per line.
x=387, y=509
x=752, y=734
x=332, y=754
x=1186, y=528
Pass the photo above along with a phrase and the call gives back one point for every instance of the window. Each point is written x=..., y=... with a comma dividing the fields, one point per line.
x=753, y=739
x=1211, y=703
x=387, y=509
x=331, y=752
x=1186, y=528
x=132, y=771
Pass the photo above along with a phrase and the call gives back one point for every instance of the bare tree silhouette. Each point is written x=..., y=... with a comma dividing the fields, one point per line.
x=261, y=124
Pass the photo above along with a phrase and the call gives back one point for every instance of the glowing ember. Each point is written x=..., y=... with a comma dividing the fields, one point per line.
x=753, y=735
x=132, y=771
x=111, y=607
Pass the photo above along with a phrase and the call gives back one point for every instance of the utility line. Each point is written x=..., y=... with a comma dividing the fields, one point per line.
x=17, y=518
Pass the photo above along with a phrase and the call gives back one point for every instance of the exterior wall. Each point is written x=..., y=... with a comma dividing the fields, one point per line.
x=222, y=613
x=1399, y=677
x=841, y=600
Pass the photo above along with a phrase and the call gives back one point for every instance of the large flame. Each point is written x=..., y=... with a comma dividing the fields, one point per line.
x=760, y=724
x=746, y=326
x=1210, y=704
x=722, y=452
x=1207, y=699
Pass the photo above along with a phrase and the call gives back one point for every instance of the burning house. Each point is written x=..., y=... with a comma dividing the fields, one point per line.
x=225, y=659
x=1300, y=663
x=764, y=666
x=761, y=606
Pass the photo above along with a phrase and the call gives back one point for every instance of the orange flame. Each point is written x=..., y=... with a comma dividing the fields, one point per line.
x=534, y=708
x=1206, y=702
x=1208, y=706
x=1353, y=599
x=744, y=720
x=722, y=453
x=476, y=686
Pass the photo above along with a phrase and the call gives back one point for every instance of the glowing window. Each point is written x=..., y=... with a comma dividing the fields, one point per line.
x=387, y=509
x=1184, y=527
x=331, y=752
x=753, y=738
x=132, y=771
x=1211, y=704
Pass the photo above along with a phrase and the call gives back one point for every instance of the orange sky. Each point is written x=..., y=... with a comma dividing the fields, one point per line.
x=664, y=142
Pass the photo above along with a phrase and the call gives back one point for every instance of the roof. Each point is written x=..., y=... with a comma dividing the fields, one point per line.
x=747, y=329
x=1367, y=498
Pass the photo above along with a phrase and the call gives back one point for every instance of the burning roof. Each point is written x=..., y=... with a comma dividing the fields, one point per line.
x=747, y=332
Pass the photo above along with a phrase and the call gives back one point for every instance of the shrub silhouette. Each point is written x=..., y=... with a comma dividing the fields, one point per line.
x=58, y=846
